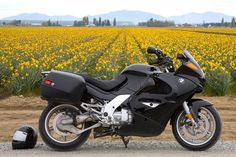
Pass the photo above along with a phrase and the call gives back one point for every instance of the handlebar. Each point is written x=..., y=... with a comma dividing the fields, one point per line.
x=158, y=52
x=162, y=60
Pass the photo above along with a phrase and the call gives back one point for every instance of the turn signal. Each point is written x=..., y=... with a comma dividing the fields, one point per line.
x=189, y=116
x=192, y=66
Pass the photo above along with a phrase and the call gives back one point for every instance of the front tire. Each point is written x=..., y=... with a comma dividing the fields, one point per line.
x=201, y=138
x=50, y=140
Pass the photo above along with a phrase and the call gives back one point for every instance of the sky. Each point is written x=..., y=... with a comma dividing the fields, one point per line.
x=80, y=8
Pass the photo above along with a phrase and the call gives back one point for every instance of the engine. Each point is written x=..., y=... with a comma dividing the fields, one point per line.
x=122, y=117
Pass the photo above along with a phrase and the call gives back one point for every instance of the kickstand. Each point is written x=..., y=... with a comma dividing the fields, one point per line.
x=125, y=140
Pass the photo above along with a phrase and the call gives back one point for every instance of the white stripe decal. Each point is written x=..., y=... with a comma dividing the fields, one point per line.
x=114, y=104
x=20, y=136
x=150, y=104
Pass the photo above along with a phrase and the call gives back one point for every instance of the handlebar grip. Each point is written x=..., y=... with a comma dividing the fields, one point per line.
x=160, y=54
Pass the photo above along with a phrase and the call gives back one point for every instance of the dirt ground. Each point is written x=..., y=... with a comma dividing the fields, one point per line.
x=18, y=110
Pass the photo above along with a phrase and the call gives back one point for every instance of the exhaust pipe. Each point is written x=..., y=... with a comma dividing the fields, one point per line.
x=79, y=119
x=66, y=124
x=73, y=129
x=91, y=127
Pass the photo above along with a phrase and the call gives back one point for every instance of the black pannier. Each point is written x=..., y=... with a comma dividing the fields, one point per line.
x=63, y=87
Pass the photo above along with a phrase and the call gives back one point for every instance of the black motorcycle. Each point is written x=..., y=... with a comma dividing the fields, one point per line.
x=140, y=101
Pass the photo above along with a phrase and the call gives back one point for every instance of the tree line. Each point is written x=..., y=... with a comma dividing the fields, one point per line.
x=157, y=23
x=96, y=22
x=50, y=23
x=221, y=24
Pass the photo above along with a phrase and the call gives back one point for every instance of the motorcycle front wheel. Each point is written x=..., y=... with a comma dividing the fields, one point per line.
x=52, y=135
x=201, y=137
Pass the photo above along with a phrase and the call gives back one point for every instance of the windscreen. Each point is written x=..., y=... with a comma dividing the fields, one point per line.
x=193, y=61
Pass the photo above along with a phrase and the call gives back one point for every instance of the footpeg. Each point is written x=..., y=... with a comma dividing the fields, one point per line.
x=125, y=140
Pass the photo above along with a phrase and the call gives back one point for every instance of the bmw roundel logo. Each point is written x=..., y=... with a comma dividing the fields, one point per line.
x=181, y=80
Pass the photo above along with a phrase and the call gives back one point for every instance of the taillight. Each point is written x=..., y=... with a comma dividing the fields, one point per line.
x=48, y=82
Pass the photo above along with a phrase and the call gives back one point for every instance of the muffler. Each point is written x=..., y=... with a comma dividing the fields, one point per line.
x=71, y=128
x=67, y=124
x=79, y=119
x=91, y=127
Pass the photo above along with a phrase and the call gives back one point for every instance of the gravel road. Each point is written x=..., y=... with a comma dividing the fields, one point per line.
x=139, y=148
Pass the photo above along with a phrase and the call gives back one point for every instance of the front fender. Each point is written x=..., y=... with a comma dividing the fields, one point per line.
x=195, y=105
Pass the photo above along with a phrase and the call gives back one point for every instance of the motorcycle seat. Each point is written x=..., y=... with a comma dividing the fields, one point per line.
x=106, y=85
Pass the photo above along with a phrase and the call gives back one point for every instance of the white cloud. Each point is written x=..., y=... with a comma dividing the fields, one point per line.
x=80, y=8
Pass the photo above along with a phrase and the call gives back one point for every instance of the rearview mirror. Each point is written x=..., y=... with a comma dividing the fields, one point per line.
x=180, y=56
x=152, y=49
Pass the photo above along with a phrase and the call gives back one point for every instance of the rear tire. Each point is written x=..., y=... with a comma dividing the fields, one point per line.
x=208, y=143
x=55, y=144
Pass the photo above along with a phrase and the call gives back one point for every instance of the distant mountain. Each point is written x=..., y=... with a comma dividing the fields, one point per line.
x=41, y=17
x=197, y=18
x=131, y=16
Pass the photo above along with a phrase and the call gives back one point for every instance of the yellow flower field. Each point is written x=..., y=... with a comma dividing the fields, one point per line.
x=104, y=52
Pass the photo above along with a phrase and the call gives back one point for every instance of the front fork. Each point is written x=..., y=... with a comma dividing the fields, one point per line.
x=189, y=114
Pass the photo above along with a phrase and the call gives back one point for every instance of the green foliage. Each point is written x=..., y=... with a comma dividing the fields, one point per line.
x=218, y=81
x=233, y=74
x=233, y=88
x=25, y=81
x=5, y=74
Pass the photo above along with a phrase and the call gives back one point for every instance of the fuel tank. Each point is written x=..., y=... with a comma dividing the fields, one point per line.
x=141, y=69
x=137, y=76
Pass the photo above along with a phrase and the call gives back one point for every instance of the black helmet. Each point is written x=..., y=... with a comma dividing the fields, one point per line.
x=25, y=137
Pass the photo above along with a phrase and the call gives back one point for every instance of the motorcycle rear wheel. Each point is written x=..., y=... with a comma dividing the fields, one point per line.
x=50, y=140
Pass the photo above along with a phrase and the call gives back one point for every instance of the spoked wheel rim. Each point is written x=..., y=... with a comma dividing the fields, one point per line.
x=196, y=135
x=55, y=115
